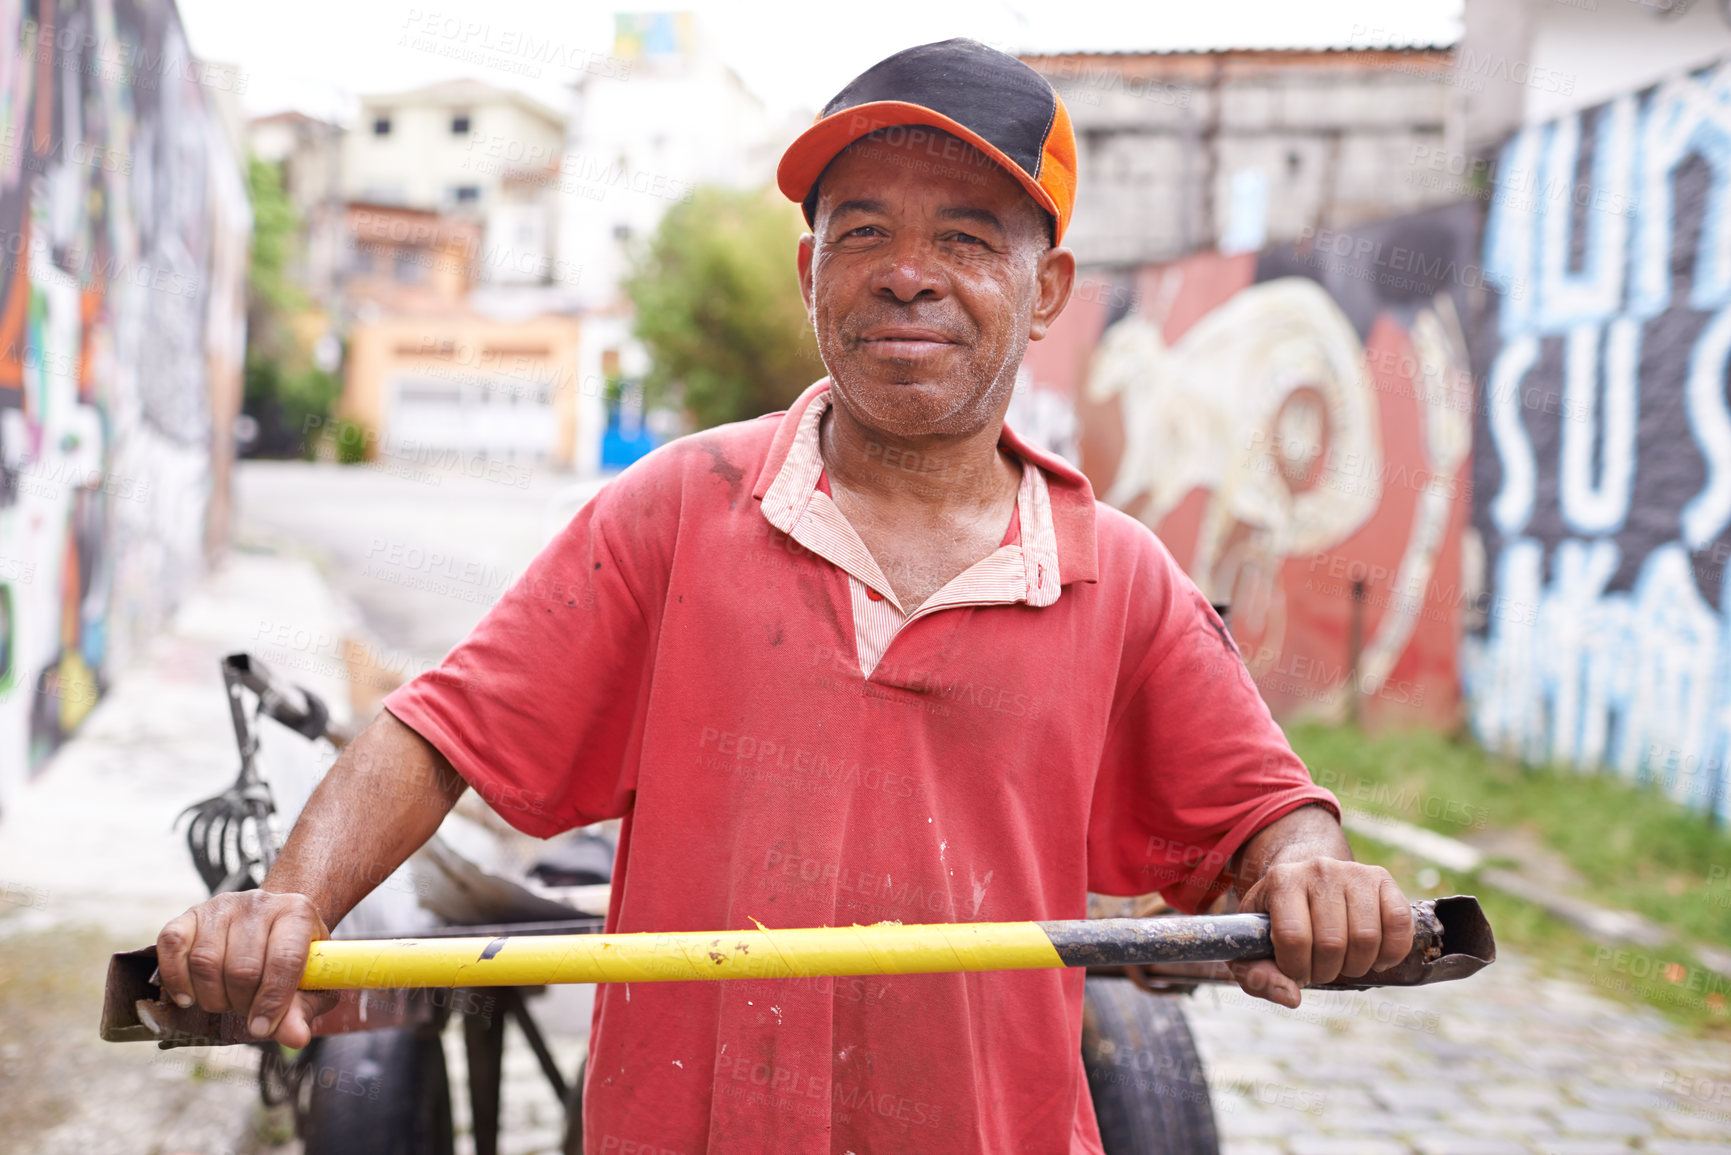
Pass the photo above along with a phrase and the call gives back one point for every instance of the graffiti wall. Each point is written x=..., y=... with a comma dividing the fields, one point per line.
x=1604, y=469
x=1296, y=425
x=123, y=236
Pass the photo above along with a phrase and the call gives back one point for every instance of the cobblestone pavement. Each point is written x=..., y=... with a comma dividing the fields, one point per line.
x=532, y=1119
x=1504, y=1063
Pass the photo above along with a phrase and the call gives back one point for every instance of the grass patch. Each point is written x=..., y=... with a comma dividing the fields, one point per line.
x=1634, y=848
x=1671, y=981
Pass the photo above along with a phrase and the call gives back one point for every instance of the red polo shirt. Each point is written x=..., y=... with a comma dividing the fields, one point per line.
x=677, y=659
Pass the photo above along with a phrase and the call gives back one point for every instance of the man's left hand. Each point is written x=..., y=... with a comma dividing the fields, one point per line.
x=1330, y=918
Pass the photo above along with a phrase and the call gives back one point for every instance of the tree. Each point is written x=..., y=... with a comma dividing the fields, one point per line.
x=284, y=388
x=719, y=309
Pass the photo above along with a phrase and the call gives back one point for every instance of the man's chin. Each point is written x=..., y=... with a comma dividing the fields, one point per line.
x=904, y=405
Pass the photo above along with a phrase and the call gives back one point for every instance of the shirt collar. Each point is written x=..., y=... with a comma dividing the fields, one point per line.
x=1070, y=497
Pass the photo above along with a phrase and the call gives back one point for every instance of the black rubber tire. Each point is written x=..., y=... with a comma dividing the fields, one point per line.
x=378, y=1093
x=1150, y=1090
x=574, y=1112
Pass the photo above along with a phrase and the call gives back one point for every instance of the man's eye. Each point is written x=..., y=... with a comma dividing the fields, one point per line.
x=861, y=231
x=966, y=238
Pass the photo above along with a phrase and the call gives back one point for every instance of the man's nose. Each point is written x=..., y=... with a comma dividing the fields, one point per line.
x=910, y=269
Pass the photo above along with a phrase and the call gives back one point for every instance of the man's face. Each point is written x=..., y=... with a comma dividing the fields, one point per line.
x=927, y=274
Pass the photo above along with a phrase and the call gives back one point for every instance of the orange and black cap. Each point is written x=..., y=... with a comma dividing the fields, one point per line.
x=985, y=97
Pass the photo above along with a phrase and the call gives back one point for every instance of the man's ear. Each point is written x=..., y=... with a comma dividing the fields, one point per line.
x=1053, y=280
x=807, y=248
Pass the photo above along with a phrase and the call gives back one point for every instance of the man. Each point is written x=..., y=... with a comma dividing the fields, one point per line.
x=873, y=658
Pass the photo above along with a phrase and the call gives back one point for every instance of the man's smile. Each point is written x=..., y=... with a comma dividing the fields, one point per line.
x=906, y=342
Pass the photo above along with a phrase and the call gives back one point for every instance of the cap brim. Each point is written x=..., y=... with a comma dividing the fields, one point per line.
x=807, y=157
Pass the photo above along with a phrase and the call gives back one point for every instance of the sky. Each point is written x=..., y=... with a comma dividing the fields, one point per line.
x=317, y=56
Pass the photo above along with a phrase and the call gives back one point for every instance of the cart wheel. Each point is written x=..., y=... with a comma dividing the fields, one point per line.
x=1150, y=1090
x=574, y=1112
x=378, y=1093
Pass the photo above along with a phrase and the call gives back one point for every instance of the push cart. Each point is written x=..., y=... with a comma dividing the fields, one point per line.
x=374, y=1080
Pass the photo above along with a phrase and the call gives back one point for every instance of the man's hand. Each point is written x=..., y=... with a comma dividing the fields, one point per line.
x=246, y=952
x=384, y=796
x=1330, y=917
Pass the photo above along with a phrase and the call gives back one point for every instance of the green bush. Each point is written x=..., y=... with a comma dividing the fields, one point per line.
x=719, y=310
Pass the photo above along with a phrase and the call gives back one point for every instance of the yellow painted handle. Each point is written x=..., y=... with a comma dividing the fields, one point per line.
x=533, y=960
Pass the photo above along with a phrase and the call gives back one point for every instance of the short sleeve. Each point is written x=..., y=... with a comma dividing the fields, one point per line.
x=1194, y=763
x=539, y=708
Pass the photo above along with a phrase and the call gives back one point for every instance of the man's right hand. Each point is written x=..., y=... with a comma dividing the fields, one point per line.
x=384, y=796
x=245, y=952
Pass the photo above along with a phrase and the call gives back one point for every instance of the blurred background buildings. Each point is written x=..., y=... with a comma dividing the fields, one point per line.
x=1300, y=255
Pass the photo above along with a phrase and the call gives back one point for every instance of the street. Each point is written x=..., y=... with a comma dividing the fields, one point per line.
x=421, y=553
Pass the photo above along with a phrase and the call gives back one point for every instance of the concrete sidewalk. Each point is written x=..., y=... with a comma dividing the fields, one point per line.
x=92, y=840
x=91, y=863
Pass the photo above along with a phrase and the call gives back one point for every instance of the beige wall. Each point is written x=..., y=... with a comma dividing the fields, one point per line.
x=468, y=351
x=422, y=160
x=406, y=260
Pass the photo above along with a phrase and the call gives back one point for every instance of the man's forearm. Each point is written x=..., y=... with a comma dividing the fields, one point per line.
x=385, y=796
x=1311, y=831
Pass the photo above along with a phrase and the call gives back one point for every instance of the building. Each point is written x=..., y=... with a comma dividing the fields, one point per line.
x=1602, y=505
x=642, y=135
x=1525, y=61
x=436, y=374
x=459, y=392
x=122, y=331
x=640, y=141
x=307, y=153
x=432, y=223
x=1184, y=151
x=404, y=260
x=447, y=147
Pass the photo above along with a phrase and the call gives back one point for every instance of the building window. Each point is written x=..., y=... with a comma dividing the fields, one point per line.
x=459, y=124
x=382, y=124
x=621, y=232
x=466, y=194
x=410, y=266
x=361, y=259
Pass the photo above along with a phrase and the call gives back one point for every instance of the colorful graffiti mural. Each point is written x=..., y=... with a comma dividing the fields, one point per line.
x=123, y=238
x=1296, y=426
x=1604, y=474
